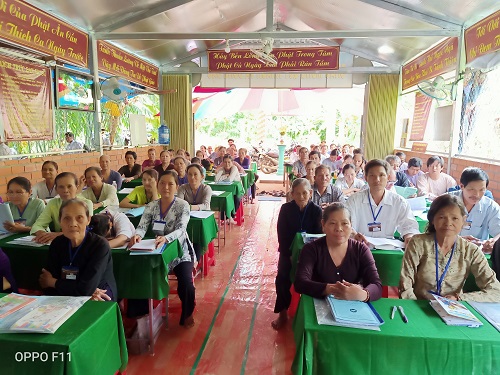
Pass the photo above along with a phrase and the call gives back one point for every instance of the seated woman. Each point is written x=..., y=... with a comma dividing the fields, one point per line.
x=180, y=168
x=229, y=173
x=357, y=161
x=131, y=170
x=299, y=167
x=142, y=195
x=310, y=171
x=79, y=262
x=100, y=193
x=434, y=183
x=299, y=215
x=46, y=189
x=349, y=183
x=25, y=210
x=377, y=212
x=197, y=161
x=483, y=213
x=151, y=161
x=442, y=249
x=169, y=218
x=113, y=226
x=6, y=277
x=108, y=175
x=336, y=264
x=165, y=163
x=66, y=187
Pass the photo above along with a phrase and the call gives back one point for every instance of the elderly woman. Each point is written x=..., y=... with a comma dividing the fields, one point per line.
x=195, y=192
x=25, y=210
x=169, y=218
x=180, y=168
x=378, y=212
x=299, y=215
x=229, y=173
x=440, y=261
x=79, y=262
x=131, y=170
x=142, y=195
x=166, y=164
x=100, y=193
x=46, y=189
x=349, y=183
x=336, y=264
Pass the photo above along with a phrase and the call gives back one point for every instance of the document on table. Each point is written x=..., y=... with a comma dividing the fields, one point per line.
x=309, y=237
x=5, y=216
x=324, y=316
x=417, y=204
x=201, y=214
x=125, y=191
x=27, y=241
x=354, y=312
x=135, y=212
x=217, y=192
x=490, y=311
x=406, y=192
x=146, y=247
x=454, y=313
x=385, y=243
x=221, y=183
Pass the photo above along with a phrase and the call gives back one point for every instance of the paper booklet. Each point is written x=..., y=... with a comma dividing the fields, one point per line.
x=354, y=312
x=27, y=241
x=125, y=191
x=490, y=311
x=406, y=192
x=385, y=243
x=309, y=237
x=221, y=183
x=417, y=204
x=324, y=316
x=146, y=247
x=201, y=214
x=36, y=314
x=217, y=192
x=134, y=212
x=454, y=313
x=5, y=216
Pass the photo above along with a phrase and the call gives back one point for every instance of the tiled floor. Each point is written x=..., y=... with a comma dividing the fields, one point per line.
x=234, y=309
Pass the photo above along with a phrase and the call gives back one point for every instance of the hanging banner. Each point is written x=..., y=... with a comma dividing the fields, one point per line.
x=419, y=147
x=436, y=61
x=423, y=104
x=289, y=59
x=483, y=37
x=30, y=27
x=117, y=62
x=25, y=99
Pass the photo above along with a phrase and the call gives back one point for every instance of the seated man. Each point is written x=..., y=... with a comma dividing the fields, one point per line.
x=401, y=179
x=435, y=183
x=333, y=162
x=324, y=192
x=299, y=167
x=377, y=212
x=72, y=144
x=402, y=157
x=483, y=213
x=413, y=172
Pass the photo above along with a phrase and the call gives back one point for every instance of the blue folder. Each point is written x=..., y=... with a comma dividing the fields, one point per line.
x=354, y=312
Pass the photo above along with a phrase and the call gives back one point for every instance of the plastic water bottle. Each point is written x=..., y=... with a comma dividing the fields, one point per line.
x=163, y=135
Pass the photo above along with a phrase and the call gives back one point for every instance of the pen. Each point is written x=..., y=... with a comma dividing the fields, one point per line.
x=394, y=308
x=405, y=319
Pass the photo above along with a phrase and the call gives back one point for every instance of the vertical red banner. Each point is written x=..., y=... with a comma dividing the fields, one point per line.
x=423, y=105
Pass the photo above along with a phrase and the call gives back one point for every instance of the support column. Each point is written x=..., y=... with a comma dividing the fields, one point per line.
x=97, y=113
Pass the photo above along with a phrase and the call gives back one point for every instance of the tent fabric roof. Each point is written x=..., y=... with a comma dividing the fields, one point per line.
x=167, y=18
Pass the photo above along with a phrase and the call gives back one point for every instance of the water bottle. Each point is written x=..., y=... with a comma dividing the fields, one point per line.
x=163, y=135
x=114, y=184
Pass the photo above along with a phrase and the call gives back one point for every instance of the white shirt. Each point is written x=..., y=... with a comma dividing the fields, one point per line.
x=74, y=145
x=122, y=224
x=342, y=184
x=395, y=214
x=484, y=218
x=40, y=190
x=434, y=188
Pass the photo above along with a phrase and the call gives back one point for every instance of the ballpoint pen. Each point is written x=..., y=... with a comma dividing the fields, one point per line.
x=394, y=308
x=405, y=319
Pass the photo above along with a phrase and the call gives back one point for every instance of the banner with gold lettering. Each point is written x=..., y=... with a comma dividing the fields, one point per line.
x=289, y=59
x=423, y=104
x=483, y=37
x=25, y=25
x=116, y=61
x=436, y=61
x=25, y=99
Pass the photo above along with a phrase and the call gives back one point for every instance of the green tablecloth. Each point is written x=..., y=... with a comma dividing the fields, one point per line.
x=121, y=196
x=236, y=188
x=137, y=276
x=426, y=345
x=246, y=180
x=92, y=341
x=132, y=184
x=251, y=176
x=253, y=167
x=202, y=231
x=223, y=203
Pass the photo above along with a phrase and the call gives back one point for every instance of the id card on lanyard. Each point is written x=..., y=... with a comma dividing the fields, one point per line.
x=374, y=226
x=159, y=225
x=21, y=220
x=468, y=223
x=71, y=272
x=302, y=218
x=439, y=280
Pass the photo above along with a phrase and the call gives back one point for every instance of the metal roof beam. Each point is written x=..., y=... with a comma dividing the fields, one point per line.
x=115, y=23
x=269, y=15
x=256, y=35
x=343, y=70
x=413, y=14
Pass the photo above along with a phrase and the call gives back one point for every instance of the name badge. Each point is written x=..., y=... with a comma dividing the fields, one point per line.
x=20, y=221
x=467, y=225
x=69, y=272
x=159, y=225
x=374, y=227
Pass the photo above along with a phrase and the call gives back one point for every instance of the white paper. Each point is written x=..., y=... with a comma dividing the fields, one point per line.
x=324, y=316
x=144, y=245
x=125, y=191
x=201, y=214
x=490, y=311
x=5, y=216
x=217, y=192
x=385, y=243
x=417, y=204
x=27, y=241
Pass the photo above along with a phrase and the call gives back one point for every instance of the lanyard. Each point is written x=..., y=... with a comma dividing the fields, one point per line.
x=21, y=213
x=371, y=208
x=71, y=255
x=439, y=280
x=303, y=216
x=51, y=190
x=196, y=195
x=164, y=213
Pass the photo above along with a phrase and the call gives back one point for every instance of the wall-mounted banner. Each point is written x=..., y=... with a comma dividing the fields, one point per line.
x=423, y=104
x=289, y=59
x=483, y=37
x=438, y=60
x=419, y=147
x=25, y=99
x=28, y=26
x=116, y=61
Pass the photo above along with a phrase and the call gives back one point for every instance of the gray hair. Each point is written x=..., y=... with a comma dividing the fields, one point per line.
x=301, y=181
x=392, y=159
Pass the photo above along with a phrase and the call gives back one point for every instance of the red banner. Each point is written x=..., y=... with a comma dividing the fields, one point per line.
x=116, y=61
x=28, y=26
x=419, y=147
x=289, y=59
x=25, y=91
x=436, y=61
x=483, y=37
x=423, y=104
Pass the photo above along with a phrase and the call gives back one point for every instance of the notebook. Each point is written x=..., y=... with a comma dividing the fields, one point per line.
x=406, y=192
x=354, y=312
x=454, y=313
x=146, y=247
x=385, y=243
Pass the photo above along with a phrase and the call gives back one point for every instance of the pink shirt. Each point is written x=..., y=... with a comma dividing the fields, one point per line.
x=434, y=188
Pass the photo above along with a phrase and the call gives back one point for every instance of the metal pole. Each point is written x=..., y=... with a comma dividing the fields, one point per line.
x=97, y=113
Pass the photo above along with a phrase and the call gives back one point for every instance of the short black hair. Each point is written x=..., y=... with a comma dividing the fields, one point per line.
x=195, y=160
x=69, y=134
x=335, y=152
x=151, y=173
x=21, y=181
x=170, y=172
x=400, y=153
x=357, y=151
x=438, y=204
x=471, y=174
x=348, y=166
x=50, y=162
x=315, y=153
x=206, y=164
x=95, y=169
x=433, y=159
x=334, y=207
x=197, y=166
x=134, y=155
x=227, y=156
x=415, y=162
x=99, y=224
x=67, y=174
x=377, y=163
